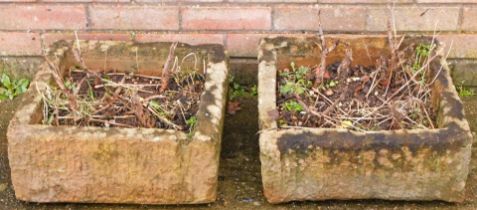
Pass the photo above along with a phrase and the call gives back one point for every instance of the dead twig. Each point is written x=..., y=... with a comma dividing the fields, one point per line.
x=325, y=50
x=166, y=72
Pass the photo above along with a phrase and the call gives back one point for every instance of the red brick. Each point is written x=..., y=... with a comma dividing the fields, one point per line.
x=226, y=18
x=460, y=45
x=415, y=18
x=19, y=17
x=278, y=1
x=20, y=43
x=192, y=1
x=17, y=0
x=68, y=1
x=446, y=1
x=126, y=17
x=50, y=38
x=192, y=39
x=469, y=21
x=364, y=1
x=333, y=18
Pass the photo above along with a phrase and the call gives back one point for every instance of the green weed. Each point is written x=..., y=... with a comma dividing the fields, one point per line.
x=293, y=106
x=191, y=122
x=237, y=90
x=295, y=80
x=157, y=108
x=254, y=90
x=10, y=88
x=464, y=91
x=422, y=52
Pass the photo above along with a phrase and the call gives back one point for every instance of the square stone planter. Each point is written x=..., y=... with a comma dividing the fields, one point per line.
x=319, y=163
x=120, y=165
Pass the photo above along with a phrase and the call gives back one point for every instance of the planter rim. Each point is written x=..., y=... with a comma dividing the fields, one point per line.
x=269, y=49
x=88, y=164
x=306, y=163
x=207, y=127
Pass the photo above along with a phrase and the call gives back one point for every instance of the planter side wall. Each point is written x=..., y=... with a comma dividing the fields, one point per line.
x=118, y=165
x=320, y=164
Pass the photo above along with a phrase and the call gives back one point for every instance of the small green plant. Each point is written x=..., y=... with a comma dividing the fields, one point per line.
x=254, y=90
x=331, y=84
x=422, y=52
x=237, y=90
x=293, y=106
x=191, y=122
x=90, y=91
x=157, y=108
x=346, y=124
x=464, y=91
x=10, y=88
x=291, y=87
x=295, y=80
x=70, y=85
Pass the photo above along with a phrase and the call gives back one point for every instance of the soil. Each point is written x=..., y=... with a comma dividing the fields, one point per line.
x=357, y=97
x=113, y=99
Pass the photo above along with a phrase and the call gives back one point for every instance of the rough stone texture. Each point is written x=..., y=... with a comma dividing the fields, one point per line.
x=18, y=43
x=195, y=38
x=50, y=38
x=464, y=72
x=20, y=67
x=462, y=46
x=319, y=164
x=116, y=165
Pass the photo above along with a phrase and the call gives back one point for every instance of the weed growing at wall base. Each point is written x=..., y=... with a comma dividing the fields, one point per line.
x=10, y=88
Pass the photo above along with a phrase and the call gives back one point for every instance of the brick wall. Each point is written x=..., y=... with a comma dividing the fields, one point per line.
x=28, y=26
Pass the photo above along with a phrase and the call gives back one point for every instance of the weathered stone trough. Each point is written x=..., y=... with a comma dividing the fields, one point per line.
x=319, y=163
x=120, y=165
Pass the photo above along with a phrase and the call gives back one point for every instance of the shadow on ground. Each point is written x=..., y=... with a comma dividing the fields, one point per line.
x=239, y=176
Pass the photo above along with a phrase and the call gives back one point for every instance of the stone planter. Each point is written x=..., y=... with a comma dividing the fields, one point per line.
x=318, y=163
x=120, y=165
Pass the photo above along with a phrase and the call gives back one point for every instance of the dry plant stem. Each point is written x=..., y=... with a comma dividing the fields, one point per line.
x=166, y=72
x=77, y=52
x=136, y=75
x=55, y=72
x=344, y=67
x=423, y=107
x=133, y=87
x=413, y=77
x=109, y=122
x=374, y=83
x=328, y=100
x=154, y=97
x=320, y=72
x=402, y=102
x=385, y=103
x=319, y=75
x=392, y=61
x=144, y=118
x=122, y=100
x=164, y=120
x=321, y=115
